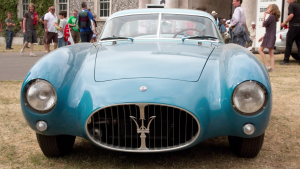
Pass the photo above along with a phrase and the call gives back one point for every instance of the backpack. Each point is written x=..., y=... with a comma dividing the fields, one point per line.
x=84, y=20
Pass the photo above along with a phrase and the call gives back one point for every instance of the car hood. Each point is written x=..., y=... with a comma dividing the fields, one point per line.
x=162, y=60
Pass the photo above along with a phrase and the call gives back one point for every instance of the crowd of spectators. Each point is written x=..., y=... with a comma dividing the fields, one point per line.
x=81, y=27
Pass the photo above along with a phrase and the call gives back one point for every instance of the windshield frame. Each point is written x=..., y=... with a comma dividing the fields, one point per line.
x=159, y=24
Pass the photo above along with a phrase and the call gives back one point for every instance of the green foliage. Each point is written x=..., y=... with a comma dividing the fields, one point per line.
x=41, y=8
x=9, y=6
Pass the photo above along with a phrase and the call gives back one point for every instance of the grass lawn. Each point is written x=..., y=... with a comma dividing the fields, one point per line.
x=281, y=149
x=17, y=48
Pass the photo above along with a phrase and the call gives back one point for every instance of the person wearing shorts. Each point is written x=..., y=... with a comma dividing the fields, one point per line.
x=29, y=27
x=42, y=19
x=50, y=29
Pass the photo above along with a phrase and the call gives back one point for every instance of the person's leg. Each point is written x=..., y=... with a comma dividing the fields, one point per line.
x=290, y=37
x=73, y=34
x=297, y=38
x=59, y=44
x=24, y=38
x=83, y=37
x=272, y=59
x=34, y=40
x=262, y=54
x=89, y=36
x=12, y=37
x=7, y=39
x=55, y=40
x=77, y=38
x=49, y=37
x=45, y=43
x=31, y=50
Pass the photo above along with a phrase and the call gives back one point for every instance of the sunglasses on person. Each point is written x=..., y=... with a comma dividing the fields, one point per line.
x=52, y=9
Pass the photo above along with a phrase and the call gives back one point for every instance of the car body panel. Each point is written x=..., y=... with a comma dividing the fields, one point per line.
x=177, y=61
x=84, y=82
x=280, y=43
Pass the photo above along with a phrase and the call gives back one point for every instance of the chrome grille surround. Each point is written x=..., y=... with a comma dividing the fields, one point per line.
x=158, y=136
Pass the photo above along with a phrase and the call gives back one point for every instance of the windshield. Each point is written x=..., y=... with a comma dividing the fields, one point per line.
x=171, y=26
x=135, y=26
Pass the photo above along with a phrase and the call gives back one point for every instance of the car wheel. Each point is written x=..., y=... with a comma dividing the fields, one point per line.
x=295, y=56
x=55, y=146
x=246, y=147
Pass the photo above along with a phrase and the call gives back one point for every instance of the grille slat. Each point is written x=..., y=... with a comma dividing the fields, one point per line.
x=185, y=127
x=105, y=126
x=168, y=127
x=113, y=130
x=167, y=130
x=161, y=126
x=130, y=127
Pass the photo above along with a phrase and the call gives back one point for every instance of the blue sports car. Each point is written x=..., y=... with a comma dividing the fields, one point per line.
x=157, y=80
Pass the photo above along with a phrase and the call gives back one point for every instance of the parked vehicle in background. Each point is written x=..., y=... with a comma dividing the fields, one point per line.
x=281, y=43
x=157, y=80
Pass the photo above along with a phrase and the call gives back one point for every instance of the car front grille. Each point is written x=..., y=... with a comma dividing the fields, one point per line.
x=115, y=127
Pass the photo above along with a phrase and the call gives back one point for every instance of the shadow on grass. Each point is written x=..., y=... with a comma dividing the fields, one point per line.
x=207, y=153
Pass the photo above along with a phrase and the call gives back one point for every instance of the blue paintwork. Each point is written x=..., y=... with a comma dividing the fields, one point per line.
x=83, y=86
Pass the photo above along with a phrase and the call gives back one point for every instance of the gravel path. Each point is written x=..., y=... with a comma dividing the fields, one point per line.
x=13, y=66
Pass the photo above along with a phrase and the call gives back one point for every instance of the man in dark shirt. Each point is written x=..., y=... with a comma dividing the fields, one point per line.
x=29, y=28
x=294, y=30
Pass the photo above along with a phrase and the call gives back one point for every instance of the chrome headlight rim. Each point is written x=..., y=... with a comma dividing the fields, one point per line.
x=30, y=107
x=264, y=105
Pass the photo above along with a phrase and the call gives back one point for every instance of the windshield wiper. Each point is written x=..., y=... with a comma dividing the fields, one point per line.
x=116, y=37
x=199, y=37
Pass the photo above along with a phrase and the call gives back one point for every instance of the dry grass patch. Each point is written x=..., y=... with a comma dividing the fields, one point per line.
x=281, y=149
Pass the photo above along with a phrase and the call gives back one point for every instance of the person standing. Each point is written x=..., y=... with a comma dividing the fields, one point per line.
x=223, y=29
x=74, y=26
x=240, y=35
x=238, y=17
x=10, y=24
x=24, y=34
x=252, y=31
x=61, y=28
x=94, y=37
x=30, y=21
x=294, y=30
x=50, y=29
x=270, y=37
x=42, y=19
x=84, y=22
x=214, y=14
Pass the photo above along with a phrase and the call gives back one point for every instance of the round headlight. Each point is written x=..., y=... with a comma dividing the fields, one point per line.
x=41, y=95
x=249, y=97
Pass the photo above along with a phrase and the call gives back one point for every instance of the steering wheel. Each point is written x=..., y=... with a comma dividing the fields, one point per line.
x=192, y=29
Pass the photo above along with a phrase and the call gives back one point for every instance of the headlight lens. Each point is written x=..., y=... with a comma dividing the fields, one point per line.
x=249, y=97
x=41, y=95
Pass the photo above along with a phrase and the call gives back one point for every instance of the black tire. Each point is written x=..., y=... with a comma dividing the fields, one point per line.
x=55, y=146
x=246, y=147
x=295, y=56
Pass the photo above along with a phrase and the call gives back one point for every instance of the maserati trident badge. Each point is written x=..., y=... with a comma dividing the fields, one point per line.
x=143, y=88
x=143, y=129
